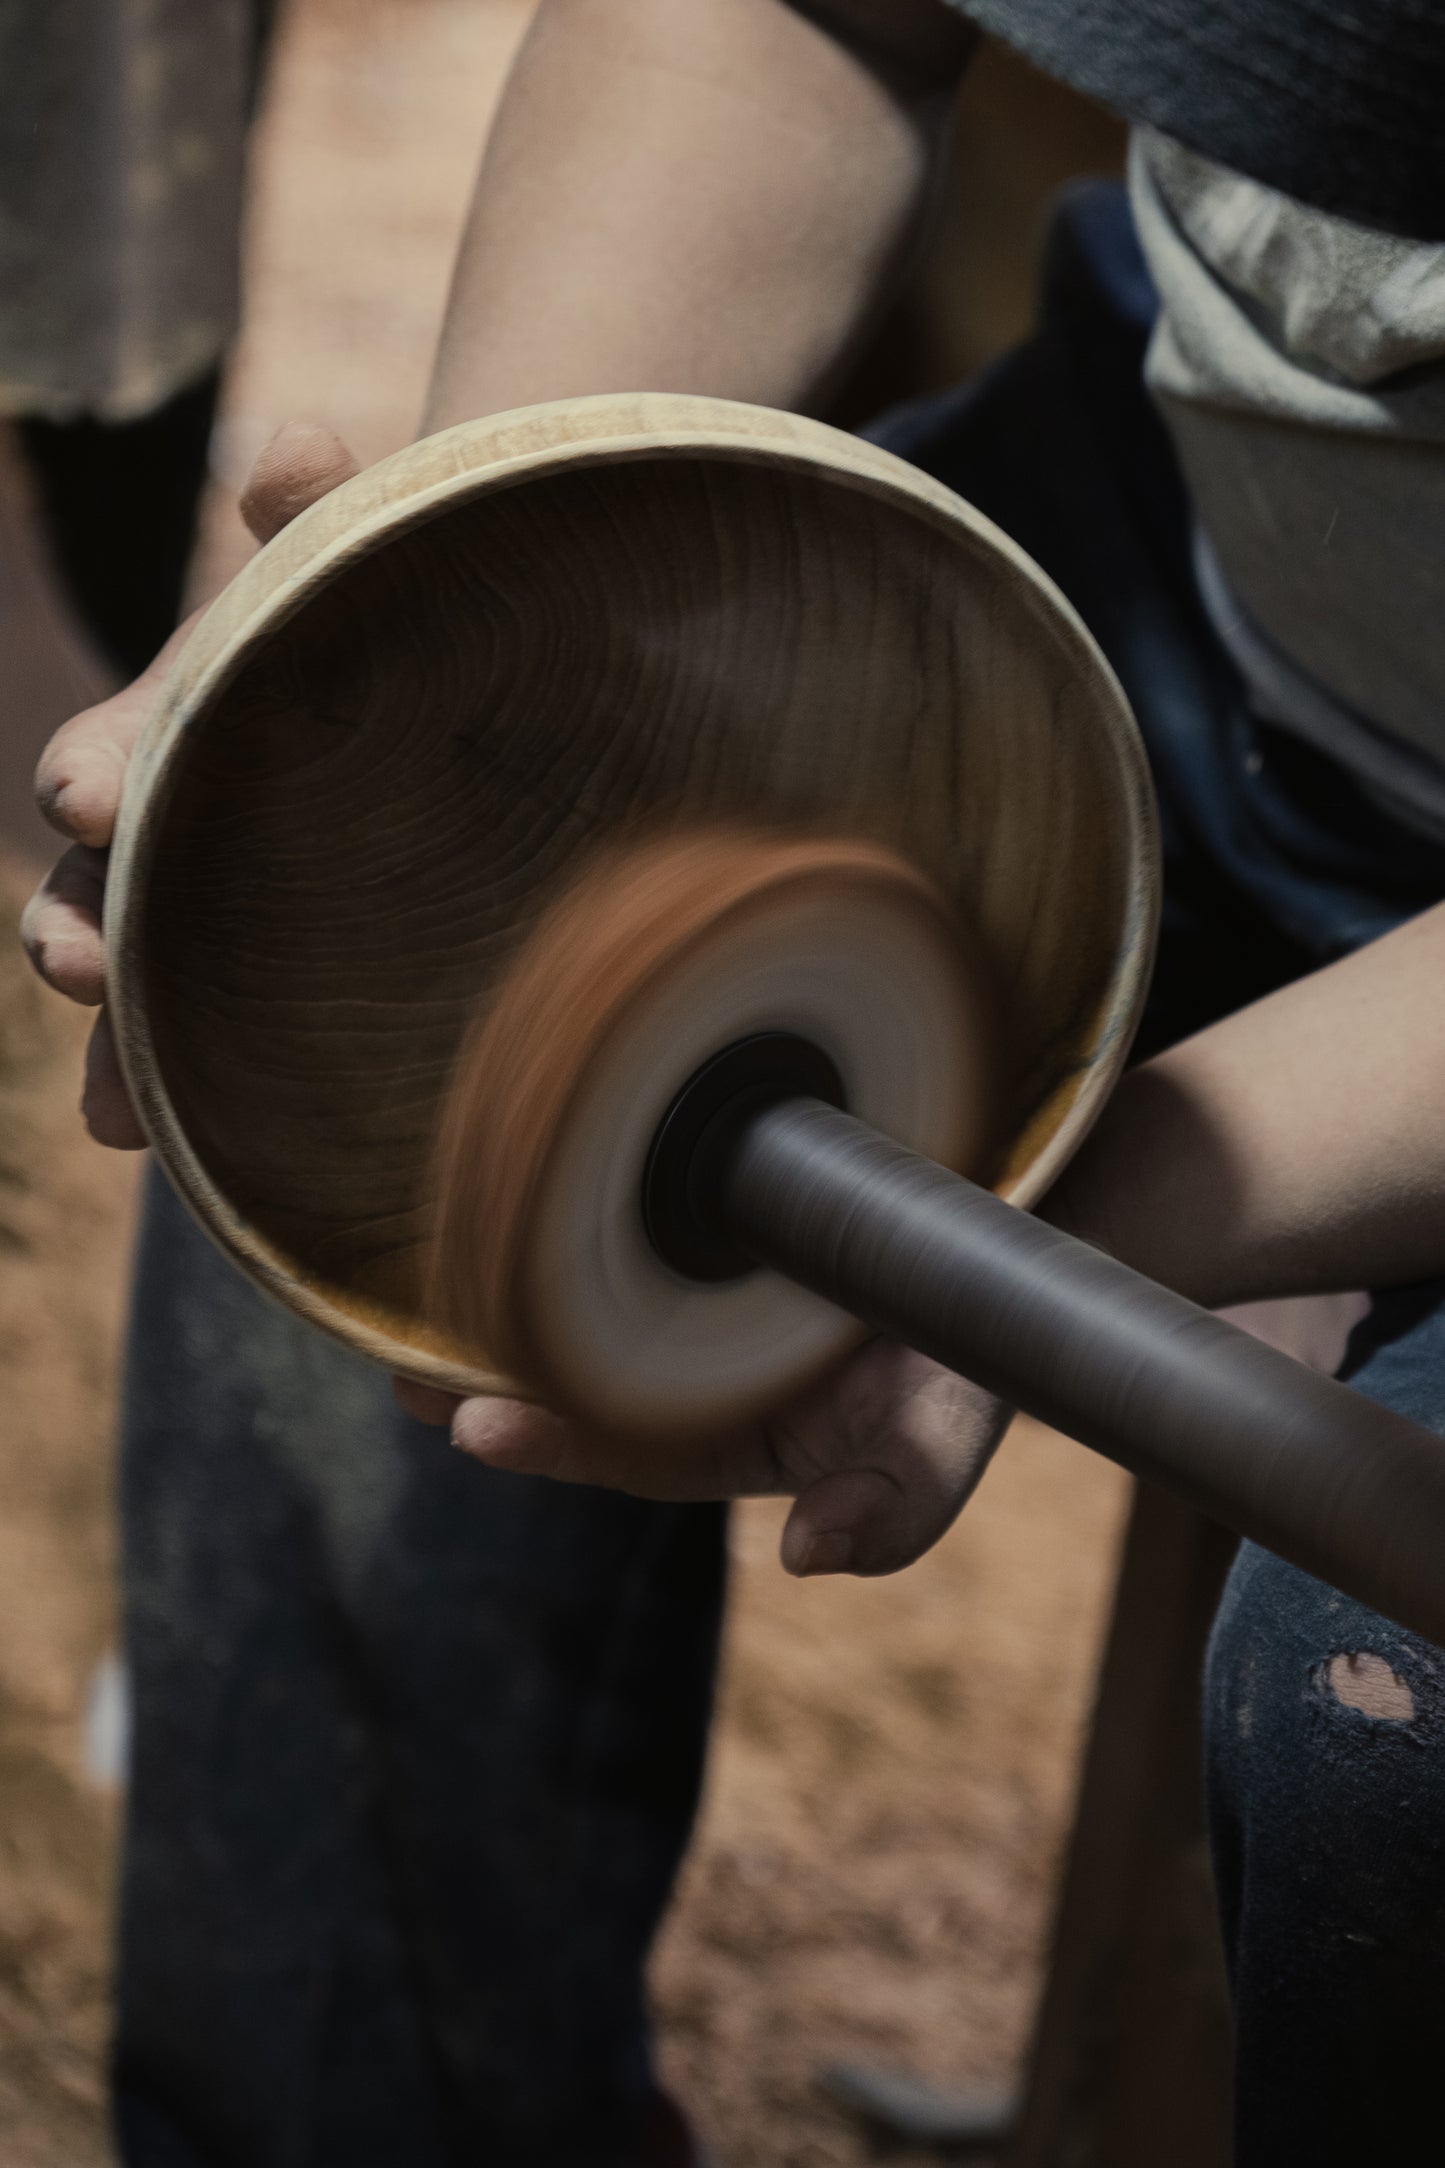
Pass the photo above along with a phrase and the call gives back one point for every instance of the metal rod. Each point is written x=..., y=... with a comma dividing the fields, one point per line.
x=1333, y=1482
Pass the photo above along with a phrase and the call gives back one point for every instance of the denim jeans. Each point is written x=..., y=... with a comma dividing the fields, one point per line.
x=416, y=1750
x=417, y=1744
x=1328, y=1824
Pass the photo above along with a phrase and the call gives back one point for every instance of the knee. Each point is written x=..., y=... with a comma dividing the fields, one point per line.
x=1362, y=1679
x=1325, y=1749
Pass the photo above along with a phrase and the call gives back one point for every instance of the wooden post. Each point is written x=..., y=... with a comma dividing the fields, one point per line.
x=1131, y=2060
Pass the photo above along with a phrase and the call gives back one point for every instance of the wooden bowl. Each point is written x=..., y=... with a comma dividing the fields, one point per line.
x=419, y=709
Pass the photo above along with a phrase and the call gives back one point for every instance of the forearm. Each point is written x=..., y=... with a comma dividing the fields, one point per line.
x=1296, y=1148
x=694, y=195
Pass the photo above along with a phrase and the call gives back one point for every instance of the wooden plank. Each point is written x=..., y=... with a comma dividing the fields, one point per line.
x=1131, y=2060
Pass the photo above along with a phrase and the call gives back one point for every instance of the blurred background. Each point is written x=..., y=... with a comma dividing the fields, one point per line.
x=892, y=1772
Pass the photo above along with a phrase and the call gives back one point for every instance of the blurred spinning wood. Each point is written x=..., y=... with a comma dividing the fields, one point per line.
x=419, y=713
x=656, y=960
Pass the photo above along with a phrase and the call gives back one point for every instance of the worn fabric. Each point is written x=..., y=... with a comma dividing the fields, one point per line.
x=1300, y=362
x=1405, y=781
x=1327, y=1821
x=122, y=138
x=1337, y=102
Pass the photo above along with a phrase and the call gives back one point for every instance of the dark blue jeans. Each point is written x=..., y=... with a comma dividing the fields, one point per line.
x=417, y=1744
x=1328, y=1828
x=416, y=1752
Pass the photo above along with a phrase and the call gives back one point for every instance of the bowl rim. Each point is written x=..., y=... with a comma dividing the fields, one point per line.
x=407, y=490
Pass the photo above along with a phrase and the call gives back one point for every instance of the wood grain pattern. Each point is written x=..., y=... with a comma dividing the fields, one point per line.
x=395, y=733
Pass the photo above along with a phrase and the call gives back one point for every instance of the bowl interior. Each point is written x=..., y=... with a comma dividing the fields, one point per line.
x=367, y=818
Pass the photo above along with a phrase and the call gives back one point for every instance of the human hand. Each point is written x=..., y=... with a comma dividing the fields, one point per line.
x=879, y=1457
x=81, y=772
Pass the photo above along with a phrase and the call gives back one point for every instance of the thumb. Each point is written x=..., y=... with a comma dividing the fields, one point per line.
x=302, y=463
x=915, y=1465
x=848, y=1523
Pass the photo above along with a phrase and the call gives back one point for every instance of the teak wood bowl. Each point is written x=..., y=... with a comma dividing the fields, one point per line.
x=418, y=710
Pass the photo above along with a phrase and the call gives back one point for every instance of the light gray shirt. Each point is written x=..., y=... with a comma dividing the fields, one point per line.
x=1300, y=363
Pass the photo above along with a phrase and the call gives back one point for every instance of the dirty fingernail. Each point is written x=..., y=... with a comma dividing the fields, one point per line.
x=829, y=1552
x=55, y=803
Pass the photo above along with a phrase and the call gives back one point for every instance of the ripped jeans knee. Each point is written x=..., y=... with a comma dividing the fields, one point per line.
x=1325, y=1759
x=1361, y=1679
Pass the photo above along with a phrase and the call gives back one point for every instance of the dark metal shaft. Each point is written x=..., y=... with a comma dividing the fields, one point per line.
x=1332, y=1481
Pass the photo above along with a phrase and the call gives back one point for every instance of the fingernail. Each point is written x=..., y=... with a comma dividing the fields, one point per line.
x=497, y=1452
x=829, y=1552
x=508, y=1455
x=520, y=1454
x=51, y=800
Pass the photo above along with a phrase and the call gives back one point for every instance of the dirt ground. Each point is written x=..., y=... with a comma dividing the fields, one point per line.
x=892, y=1766
x=65, y=1212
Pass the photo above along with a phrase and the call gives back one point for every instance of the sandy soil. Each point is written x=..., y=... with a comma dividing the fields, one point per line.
x=891, y=1772
x=64, y=1227
x=888, y=1794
